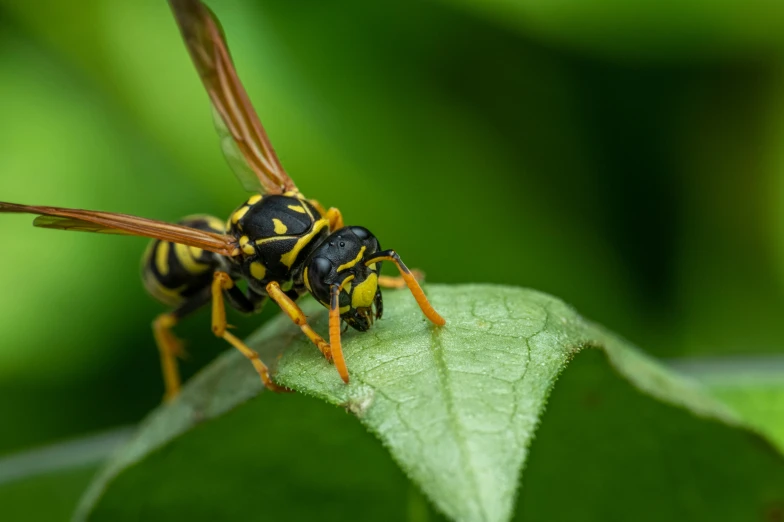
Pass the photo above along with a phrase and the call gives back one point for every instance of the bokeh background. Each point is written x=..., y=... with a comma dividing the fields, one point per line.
x=626, y=157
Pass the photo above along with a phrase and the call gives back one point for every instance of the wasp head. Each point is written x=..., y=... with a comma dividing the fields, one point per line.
x=336, y=273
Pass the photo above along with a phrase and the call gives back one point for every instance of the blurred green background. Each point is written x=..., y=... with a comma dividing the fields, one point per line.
x=626, y=157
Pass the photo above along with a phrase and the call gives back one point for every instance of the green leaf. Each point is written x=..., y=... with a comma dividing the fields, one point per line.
x=456, y=407
x=606, y=451
x=752, y=385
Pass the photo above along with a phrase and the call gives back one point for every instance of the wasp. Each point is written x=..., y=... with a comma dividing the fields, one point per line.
x=281, y=243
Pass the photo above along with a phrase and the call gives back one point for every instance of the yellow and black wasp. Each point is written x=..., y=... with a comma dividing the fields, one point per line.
x=281, y=243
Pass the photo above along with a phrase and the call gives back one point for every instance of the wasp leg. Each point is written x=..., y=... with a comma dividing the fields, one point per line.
x=335, y=219
x=318, y=206
x=223, y=282
x=333, y=215
x=399, y=281
x=334, y=331
x=296, y=314
x=411, y=282
x=169, y=346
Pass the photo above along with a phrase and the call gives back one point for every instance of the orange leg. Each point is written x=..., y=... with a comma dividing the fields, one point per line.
x=296, y=314
x=335, y=219
x=399, y=282
x=318, y=206
x=221, y=282
x=334, y=329
x=334, y=336
x=410, y=280
x=169, y=347
x=333, y=215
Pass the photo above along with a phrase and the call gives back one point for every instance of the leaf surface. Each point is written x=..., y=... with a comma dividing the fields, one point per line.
x=457, y=407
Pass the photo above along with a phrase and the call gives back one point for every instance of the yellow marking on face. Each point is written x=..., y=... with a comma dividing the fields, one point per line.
x=254, y=199
x=162, y=258
x=297, y=208
x=287, y=285
x=307, y=281
x=258, y=270
x=239, y=214
x=343, y=309
x=346, y=285
x=280, y=228
x=188, y=260
x=365, y=292
x=353, y=261
x=289, y=257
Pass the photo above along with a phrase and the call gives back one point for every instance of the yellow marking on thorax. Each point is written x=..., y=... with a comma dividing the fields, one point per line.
x=246, y=247
x=289, y=257
x=187, y=257
x=307, y=209
x=258, y=270
x=162, y=258
x=307, y=281
x=297, y=208
x=365, y=292
x=372, y=266
x=353, y=261
x=343, y=309
x=347, y=288
x=254, y=199
x=271, y=239
x=287, y=285
x=239, y=214
x=280, y=228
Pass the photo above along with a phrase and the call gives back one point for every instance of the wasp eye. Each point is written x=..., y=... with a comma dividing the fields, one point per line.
x=321, y=266
x=361, y=232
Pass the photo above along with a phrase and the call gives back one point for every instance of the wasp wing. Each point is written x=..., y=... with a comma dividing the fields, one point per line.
x=112, y=223
x=244, y=142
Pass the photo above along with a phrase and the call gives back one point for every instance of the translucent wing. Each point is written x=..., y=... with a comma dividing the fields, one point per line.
x=111, y=223
x=244, y=142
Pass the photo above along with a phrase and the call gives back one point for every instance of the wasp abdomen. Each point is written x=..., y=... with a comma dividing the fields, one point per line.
x=172, y=272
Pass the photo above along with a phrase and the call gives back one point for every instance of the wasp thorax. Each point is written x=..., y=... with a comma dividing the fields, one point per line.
x=338, y=274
